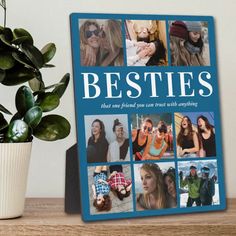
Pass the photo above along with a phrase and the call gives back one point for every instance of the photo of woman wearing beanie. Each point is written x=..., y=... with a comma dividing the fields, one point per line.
x=178, y=35
x=194, y=43
x=187, y=45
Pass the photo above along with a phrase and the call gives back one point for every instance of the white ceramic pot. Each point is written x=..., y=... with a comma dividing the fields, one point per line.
x=14, y=165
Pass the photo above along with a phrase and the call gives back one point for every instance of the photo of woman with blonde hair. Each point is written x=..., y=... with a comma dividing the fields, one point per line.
x=153, y=196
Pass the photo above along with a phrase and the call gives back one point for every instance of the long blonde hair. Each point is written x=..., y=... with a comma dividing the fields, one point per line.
x=114, y=38
x=159, y=194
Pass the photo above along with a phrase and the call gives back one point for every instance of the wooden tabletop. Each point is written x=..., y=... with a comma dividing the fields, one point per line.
x=47, y=217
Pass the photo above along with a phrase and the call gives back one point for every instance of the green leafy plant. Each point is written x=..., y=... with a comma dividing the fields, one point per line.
x=22, y=62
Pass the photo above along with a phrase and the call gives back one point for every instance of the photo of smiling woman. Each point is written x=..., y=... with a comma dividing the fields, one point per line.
x=150, y=187
x=101, y=42
x=187, y=139
x=140, y=137
x=119, y=148
x=97, y=144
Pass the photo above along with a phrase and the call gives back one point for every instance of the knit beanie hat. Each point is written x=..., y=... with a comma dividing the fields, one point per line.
x=194, y=26
x=179, y=29
x=205, y=169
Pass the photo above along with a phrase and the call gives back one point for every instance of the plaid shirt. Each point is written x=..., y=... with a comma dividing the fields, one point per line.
x=101, y=188
x=118, y=179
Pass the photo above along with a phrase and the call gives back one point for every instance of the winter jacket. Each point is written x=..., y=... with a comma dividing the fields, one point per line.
x=207, y=190
x=193, y=185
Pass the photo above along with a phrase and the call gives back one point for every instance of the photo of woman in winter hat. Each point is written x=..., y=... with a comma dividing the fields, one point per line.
x=187, y=45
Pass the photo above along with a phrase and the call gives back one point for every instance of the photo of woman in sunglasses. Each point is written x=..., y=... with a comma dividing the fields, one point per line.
x=101, y=43
x=149, y=142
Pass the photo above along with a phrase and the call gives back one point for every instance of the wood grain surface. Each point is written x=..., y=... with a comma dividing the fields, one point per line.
x=47, y=217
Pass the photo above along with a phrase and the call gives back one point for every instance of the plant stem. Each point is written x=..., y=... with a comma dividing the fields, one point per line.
x=3, y=4
x=5, y=16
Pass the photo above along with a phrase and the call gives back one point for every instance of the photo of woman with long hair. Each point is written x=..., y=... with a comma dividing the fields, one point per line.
x=187, y=139
x=153, y=195
x=207, y=137
x=170, y=188
x=97, y=146
x=141, y=136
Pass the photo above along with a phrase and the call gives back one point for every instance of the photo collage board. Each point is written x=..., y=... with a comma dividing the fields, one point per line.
x=147, y=113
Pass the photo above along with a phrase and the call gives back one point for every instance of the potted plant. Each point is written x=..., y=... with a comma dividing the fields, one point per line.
x=21, y=64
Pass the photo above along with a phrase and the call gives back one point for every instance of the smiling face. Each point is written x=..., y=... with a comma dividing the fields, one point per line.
x=201, y=123
x=96, y=128
x=170, y=186
x=100, y=199
x=193, y=172
x=146, y=128
x=119, y=131
x=185, y=123
x=92, y=35
x=194, y=36
x=148, y=181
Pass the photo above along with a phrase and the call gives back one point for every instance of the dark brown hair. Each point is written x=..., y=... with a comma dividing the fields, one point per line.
x=180, y=136
x=105, y=205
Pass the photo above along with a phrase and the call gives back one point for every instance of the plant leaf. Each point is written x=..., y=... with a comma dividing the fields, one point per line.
x=24, y=100
x=17, y=131
x=23, y=39
x=48, y=101
x=7, y=61
x=20, y=34
x=21, y=58
x=48, y=66
x=33, y=116
x=3, y=109
x=59, y=90
x=2, y=75
x=36, y=85
x=48, y=52
x=18, y=75
x=34, y=55
x=17, y=116
x=3, y=122
x=52, y=127
x=7, y=37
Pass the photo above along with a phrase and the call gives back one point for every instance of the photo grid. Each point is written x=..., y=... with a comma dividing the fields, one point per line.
x=141, y=162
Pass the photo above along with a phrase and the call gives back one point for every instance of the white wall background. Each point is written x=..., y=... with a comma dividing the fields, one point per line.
x=48, y=21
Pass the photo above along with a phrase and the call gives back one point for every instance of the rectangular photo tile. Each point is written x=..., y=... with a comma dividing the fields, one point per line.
x=101, y=42
x=195, y=134
x=110, y=189
x=152, y=137
x=107, y=138
x=198, y=183
x=146, y=43
x=155, y=186
x=189, y=43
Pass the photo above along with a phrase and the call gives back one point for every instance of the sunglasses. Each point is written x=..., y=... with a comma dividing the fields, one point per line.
x=149, y=129
x=89, y=33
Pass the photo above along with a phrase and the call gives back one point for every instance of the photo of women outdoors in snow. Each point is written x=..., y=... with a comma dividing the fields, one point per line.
x=198, y=183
